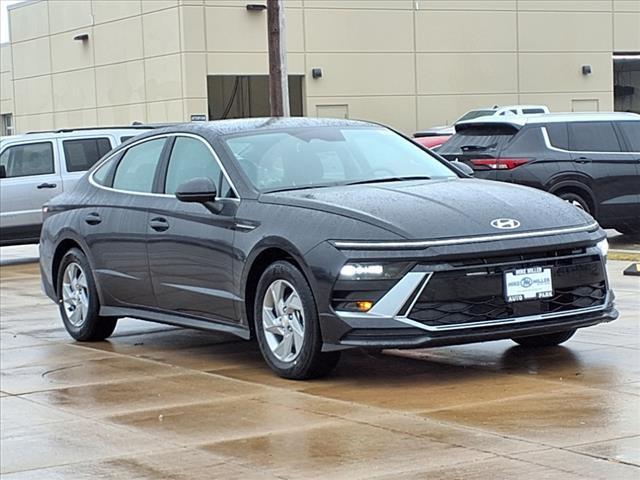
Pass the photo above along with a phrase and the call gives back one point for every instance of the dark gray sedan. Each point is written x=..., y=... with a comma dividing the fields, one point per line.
x=314, y=236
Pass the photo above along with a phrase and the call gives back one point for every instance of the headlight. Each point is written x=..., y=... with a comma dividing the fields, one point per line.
x=603, y=247
x=371, y=271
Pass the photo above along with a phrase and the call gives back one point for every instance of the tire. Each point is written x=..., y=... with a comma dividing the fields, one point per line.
x=548, y=340
x=289, y=335
x=78, y=300
x=576, y=200
x=629, y=229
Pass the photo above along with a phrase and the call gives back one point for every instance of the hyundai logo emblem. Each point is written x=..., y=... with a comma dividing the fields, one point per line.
x=505, y=223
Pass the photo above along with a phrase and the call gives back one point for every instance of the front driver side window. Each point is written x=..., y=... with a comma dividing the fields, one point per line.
x=28, y=160
x=136, y=170
x=191, y=158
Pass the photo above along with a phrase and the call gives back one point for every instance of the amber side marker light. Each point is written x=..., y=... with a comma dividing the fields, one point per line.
x=364, y=306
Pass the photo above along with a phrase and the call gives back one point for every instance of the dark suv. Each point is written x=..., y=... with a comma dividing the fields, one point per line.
x=589, y=159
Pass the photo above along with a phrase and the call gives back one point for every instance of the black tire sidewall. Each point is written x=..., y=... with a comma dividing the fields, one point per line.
x=283, y=270
x=570, y=196
x=88, y=327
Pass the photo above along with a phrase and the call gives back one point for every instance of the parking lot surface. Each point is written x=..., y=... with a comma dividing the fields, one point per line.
x=156, y=402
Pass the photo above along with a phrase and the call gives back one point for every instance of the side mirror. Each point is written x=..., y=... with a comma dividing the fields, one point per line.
x=197, y=190
x=464, y=167
x=3, y=171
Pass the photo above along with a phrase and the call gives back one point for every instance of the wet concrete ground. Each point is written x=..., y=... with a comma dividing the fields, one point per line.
x=156, y=402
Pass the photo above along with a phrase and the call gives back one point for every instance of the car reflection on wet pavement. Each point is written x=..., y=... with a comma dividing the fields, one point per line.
x=156, y=402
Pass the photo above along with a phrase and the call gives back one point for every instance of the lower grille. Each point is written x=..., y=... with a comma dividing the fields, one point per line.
x=475, y=295
x=495, y=308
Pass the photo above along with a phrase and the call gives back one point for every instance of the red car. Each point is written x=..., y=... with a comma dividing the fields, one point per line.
x=432, y=142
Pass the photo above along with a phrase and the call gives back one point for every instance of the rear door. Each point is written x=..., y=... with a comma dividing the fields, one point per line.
x=32, y=178
x=630, y=131
x=80, y=154
x=190, y=247
x=115, y=223
x=599, y=153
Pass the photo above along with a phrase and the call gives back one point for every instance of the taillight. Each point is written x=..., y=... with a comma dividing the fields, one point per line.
x=499, y=163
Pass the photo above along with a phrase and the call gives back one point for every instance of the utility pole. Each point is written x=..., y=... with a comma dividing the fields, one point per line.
x=278, y=79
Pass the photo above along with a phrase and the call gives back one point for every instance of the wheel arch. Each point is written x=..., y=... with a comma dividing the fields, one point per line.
x=579, y=188
x=268, y=252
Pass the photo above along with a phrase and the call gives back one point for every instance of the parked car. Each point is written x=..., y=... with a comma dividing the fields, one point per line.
x=433, y=143
x=316, y=235
x=483, y=112
x=35, y=167
x=591, y=160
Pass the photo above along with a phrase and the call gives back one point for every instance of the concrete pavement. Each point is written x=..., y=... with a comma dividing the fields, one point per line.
x=155, y=402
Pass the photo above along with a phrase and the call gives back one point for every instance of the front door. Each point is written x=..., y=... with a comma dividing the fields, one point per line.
x=31, y=178
x=191, y=247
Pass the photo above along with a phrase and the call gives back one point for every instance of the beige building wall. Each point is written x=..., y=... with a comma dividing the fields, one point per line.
x=6, y=82
x=408, y=63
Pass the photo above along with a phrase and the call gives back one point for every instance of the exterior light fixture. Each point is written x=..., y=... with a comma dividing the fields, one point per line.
x=316, y=73
x=586, y=70
x=256, y=7
x=82, y=37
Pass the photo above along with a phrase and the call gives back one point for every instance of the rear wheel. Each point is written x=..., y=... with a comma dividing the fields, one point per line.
x=286, y=324
x=78, y=299
x=575, y=200
x=548, y=340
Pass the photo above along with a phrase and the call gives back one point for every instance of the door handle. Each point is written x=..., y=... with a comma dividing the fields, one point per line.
x=46, y=185
x=93, y=218
x=159, y=224
x=583, y=160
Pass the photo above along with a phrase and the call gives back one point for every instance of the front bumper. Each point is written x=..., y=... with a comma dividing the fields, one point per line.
x=455, y=302
x=388, y=334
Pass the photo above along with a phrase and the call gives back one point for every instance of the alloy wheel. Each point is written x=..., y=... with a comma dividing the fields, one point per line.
x=75, y=294
x=283, y=320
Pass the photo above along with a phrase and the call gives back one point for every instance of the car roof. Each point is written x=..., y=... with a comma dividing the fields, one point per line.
x=78, y=132
x=240, y=125
x=507, y=107
x=543, y=118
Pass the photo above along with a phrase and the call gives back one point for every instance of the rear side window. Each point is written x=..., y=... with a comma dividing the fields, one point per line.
x=532, y=110
x=593, y=137
x=82, y=154
x=481, y=138
x=528, y=140
x=558, y=135
x=136, y=170
x=631, y=130
x=191, y=158
x=28, y=160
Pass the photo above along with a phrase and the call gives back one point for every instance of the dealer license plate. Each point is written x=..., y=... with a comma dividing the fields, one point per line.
x=527, y=284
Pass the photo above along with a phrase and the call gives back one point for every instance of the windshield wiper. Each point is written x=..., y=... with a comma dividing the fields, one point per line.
x=302, y=187
x=476, y=148
x=390, y=179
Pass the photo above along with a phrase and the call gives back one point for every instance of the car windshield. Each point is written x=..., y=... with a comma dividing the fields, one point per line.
x=310, y=157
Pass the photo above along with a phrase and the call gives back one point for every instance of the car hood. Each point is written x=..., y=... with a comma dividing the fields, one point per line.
x=432, y=209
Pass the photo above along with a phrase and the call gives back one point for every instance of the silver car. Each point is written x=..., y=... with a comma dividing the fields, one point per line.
x=35, y=167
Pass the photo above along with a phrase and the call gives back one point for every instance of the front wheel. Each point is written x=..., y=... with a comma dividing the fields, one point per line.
x=286, y=324
x=548, y=340
x=78, y=300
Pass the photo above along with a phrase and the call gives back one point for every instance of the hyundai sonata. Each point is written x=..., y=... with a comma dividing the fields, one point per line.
x=314, y=236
